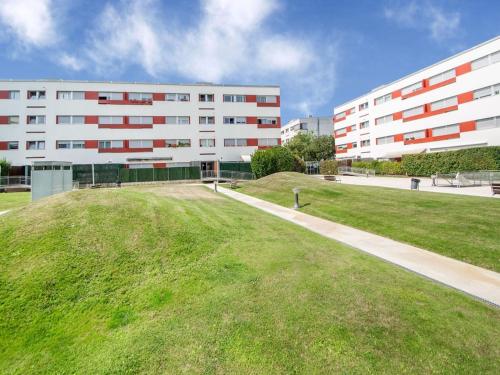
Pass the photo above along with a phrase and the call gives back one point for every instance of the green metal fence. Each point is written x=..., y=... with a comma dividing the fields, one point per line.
x=103, y=173
x=236, y=166
x=159, y=174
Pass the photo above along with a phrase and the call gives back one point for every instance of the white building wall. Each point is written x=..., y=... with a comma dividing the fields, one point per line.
x=52, y=107
x=293, y=127
x=470, y=110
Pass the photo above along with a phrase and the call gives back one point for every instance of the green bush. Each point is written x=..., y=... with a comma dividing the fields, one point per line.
x=276, y=159
x=328, y=167
x=299, y=165
x=4, y=166
x=381, y=167
x=471, y=159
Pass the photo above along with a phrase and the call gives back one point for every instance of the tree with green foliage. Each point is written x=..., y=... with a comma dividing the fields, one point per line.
x=4, y=167
x=309, y=147
x=275, y=159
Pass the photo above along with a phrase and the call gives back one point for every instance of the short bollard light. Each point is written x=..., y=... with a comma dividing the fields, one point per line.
x=215, y=186
x=296, y=192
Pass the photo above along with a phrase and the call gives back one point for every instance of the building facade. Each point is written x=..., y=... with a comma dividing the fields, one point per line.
x=450, y=105
x=139, y=125
x=314, y=125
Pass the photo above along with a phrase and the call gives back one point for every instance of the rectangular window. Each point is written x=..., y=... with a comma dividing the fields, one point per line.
x=412, y=88
x=140, y=144
x=238, y=142
x=111, y=120
x=363, y=106
x=441, y=77
x=488, y=123
x=140, y=120
x=178, y=143
x=177, y=97
x=340, y=132
x=364, y=125
x=177, y=120
x=267, y=120
x=342, y=147
x=78, y=144
x=487, y=91
x=383, y=120
x=340, y=115
x=385, y=140
x=35, y=145
x=13, y=120
x=267, y=99
x=444, y=130
x=354, y=144
x=206, y=98
x=414, y=135
x=71, y=95
x=383, y=99
x=365, y=143
x=36, y=95
x=267, y=142
x=110, y=96
x=486, y=60
x=444, y=103
x=63, y=144
x=235, y=120
x=234, y=98
x=67, y=120
x=13, y=145
x=36, y=120
x=413, y=111
x=207, y=120
x=14, y=95
x=110, y=144
x=207, y=142
x=140, y=96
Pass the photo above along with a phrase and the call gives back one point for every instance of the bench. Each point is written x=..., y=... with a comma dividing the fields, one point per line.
x=331, y=178
x=495, y=188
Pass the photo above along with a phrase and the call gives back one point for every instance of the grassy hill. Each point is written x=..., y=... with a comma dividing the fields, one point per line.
x=181, y=280
x=9, y=201
x=457, y=226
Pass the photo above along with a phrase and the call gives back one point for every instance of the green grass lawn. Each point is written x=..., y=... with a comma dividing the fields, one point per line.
x=159, y=280
x=9, y=201
x=461, y=227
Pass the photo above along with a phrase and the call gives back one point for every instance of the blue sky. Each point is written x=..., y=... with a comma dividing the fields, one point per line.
x=321, y=53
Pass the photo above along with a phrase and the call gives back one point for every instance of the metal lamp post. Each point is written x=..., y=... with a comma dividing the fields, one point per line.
x=296, y=192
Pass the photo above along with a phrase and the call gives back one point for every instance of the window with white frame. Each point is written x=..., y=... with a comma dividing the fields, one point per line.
x=444, y=103
x=140, y=143
x=414, y=111
x=235, y=120
x=267, y=99
x=486, y=60
x=178, y=143
x=234, y=98
x=414, y=135
x=206, y=98
x=207, y=120
x=488, y=123
x=363, y=106
x=385, y=140
x=340, y=115
x=140, y=96
x=444, y=130
x=340, y=132
x=36, y=94
x=13, y=120
x=13, y=145
x=441, y=77
x=177, y=120
x=207, y=142
x=71, y=95
x=267, y=142
x=140, y=120
x=365, y=143
x=70, y=144
x=110, y=144
x=267, y=120
x=364, y=124
x=111, y=120
x=383, y=99
x=342, y=147
x=176, y=97
x=36, y=119
x=487, y=91
x=71, y=120
x=237, y=142
x=14, y=95
x=411, y=88
x=383, y=120
x=110, y=96
x=35, y=145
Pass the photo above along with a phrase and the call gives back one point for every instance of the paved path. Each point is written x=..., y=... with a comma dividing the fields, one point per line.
x=425, y=185
x=476, y=281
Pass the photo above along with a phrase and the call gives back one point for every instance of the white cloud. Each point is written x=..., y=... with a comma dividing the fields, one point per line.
x=71, y=62
x=441, y=24
x=30, y=22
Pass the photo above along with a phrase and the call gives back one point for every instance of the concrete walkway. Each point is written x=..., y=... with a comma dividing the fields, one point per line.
x=404, y=183
x=476, y=281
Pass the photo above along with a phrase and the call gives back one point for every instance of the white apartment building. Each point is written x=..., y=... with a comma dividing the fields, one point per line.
x=315, y=125
x=136, y=124
x=452, y=104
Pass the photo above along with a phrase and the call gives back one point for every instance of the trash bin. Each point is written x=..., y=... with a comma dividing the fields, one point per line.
x=414, y=183
x=434, y=178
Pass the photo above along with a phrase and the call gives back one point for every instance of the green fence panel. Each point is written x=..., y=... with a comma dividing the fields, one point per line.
x=159, y=174
x=236, y=166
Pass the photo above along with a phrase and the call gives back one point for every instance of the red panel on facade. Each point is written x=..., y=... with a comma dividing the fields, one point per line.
x=339, y=119
x=159, y=143
x=341, y=151
x=277, y=104
x=91, y=144
x=91, y=95
x=428, y=88
x=123, y=150
x=431, y=113
x=159, y=165
x=251, y=98
x=397, y=116
x=467, y=126
x=91, y=119
x=465, y=97
x=4, y=120
x=396, y=94
x=158, y=96
x=252, y=142
x=158, y=119
x=432, y=139
x=125, y=126
x=4, y=145
x=463, y=69
x=398, y=138
x=251, y=120
x=268, y=126
x=4, y=94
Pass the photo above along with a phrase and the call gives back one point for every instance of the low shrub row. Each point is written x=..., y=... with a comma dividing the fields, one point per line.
x=381, y=167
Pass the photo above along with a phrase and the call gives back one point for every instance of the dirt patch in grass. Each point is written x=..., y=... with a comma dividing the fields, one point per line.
x=179, y=191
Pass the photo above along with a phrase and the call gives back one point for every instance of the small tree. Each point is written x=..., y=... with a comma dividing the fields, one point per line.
x=328, y=167
x=276, y=159
x=4, y=166
x=308, y=147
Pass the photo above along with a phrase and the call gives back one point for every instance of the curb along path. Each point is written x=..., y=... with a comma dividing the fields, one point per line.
x=476, y=281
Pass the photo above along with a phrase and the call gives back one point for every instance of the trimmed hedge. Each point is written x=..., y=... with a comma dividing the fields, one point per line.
x=381, y=167
x=328, y=167
x=470, y=159
x=275, y=159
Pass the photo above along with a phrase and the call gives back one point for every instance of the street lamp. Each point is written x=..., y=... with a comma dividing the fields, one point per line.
x=296, y=192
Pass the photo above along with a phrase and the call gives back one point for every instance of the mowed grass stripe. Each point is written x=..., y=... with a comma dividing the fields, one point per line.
x=130, y=280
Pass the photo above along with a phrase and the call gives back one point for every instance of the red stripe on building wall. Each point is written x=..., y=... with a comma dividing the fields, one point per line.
x=432, y=139
x=397, y=116
x=159, y=165
x=427, y=88
x=467, y=126
x=465, y=97
x=123, y=150
x=398, y=137
x=91, y=119
x=431, y=113
x=91, y=95
x=251, y=120
x=252, y=141
x=125, y=126
x=396, y=94
x=251, y=98
x=159, y=143
x=158, y=96
x=4, y=120
x=91, y=144
x=158, y=119
x=4, y=94
x=4, y=146
x=463, y=69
